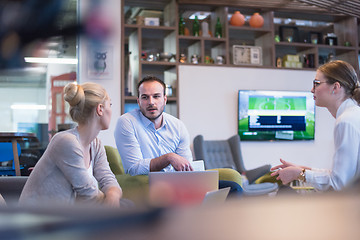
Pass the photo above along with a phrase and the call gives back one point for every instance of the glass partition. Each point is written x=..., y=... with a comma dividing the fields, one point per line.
x=38, y=51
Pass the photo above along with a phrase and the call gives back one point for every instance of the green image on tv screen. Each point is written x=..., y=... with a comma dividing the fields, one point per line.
x=276, y=115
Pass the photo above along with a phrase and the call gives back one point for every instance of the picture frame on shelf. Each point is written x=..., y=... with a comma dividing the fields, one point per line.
x=247, y=55
x=315, y=37
x=289, y=34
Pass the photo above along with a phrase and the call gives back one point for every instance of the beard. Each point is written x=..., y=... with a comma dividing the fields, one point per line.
x=149, y=116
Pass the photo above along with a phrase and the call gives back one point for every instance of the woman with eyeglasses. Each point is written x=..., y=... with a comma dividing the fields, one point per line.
x=336, y=87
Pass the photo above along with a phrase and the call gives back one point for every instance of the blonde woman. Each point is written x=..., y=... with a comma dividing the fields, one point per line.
x=336, y=87
x=74, y=167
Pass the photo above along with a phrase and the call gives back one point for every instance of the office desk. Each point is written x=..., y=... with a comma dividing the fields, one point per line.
x=14, y=137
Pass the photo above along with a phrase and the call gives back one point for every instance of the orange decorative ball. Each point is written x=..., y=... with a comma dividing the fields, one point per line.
x=237, y=19
x=256, y=20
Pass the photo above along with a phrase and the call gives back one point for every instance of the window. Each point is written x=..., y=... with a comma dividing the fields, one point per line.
x=26, y=73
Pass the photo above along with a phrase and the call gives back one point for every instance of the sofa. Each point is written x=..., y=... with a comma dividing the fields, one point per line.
x=136, y=188
x=11, y=187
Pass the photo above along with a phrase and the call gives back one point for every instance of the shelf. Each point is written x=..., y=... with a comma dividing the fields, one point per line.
x=285, y=48
x=164, y=64
x=206, y=64
x=130, y=98
x=156, y=39
x=245, y=30
x=134, y=26
x=226, y=65
x=296, y=44
x=157, y=68
x=182, y=37
x=310, y=45
x=301, y=69
x=160, y=28
x=186, y=42
x=156, y=33
x=337, y=48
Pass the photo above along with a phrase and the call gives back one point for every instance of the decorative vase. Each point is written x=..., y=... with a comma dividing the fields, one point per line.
x=237, y=19
x=256, y=20
x=205, y=29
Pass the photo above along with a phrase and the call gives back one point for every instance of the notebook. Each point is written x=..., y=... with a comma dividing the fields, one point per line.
x=181, y=188
x=216, y=196
x=198, y=165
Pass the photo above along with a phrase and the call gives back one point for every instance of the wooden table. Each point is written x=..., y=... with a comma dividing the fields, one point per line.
x=14, y=137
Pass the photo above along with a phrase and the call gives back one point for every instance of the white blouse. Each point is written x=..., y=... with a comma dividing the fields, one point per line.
x=91, y=174
x=346, y=160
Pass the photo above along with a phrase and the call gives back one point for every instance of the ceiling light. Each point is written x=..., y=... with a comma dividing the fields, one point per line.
x=28, y=107
x=51, y=60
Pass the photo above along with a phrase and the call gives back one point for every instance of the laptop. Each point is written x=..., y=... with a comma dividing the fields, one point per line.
x=181, y=188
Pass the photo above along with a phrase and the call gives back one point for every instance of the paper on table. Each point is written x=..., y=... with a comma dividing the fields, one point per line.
x=198, y=165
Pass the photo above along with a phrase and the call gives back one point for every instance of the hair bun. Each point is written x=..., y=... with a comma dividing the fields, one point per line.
x=74, y=94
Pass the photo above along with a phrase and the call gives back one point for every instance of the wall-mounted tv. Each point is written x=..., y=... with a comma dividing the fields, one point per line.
x=276, y=115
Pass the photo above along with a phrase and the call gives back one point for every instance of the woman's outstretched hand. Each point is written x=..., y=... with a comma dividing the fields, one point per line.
x=284, y=164
x=287, y=174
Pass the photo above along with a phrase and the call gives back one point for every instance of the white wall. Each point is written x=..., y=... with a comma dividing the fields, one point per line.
x=112, y=85
x=209, y=101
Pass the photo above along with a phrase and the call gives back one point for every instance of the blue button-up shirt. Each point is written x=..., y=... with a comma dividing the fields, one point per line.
x=138, y=141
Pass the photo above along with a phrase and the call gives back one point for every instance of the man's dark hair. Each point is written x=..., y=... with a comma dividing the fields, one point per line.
x=150, y=79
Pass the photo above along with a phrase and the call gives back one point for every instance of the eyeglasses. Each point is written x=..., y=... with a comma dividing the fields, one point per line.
x=316, y=83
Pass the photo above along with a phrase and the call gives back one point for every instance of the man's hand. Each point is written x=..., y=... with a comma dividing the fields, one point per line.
x=178, y=162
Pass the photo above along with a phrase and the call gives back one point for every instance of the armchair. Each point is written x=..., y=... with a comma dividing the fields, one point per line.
x=252, y=174
x=227, y=154
x=135, y=188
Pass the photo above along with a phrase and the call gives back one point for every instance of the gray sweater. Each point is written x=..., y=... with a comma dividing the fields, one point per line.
x=60, y=176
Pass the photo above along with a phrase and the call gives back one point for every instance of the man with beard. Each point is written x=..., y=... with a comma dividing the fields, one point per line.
x=148, y=139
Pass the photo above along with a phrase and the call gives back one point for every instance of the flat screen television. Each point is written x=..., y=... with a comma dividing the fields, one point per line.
x=276, y=115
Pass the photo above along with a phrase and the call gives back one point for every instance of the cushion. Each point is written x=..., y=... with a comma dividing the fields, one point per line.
x=268, y=178
x=228, y=174
x=114, y=160
x=218, y=154
x=135, y=188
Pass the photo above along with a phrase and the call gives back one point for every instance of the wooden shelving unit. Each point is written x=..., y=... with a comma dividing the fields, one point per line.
x=143, y=40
